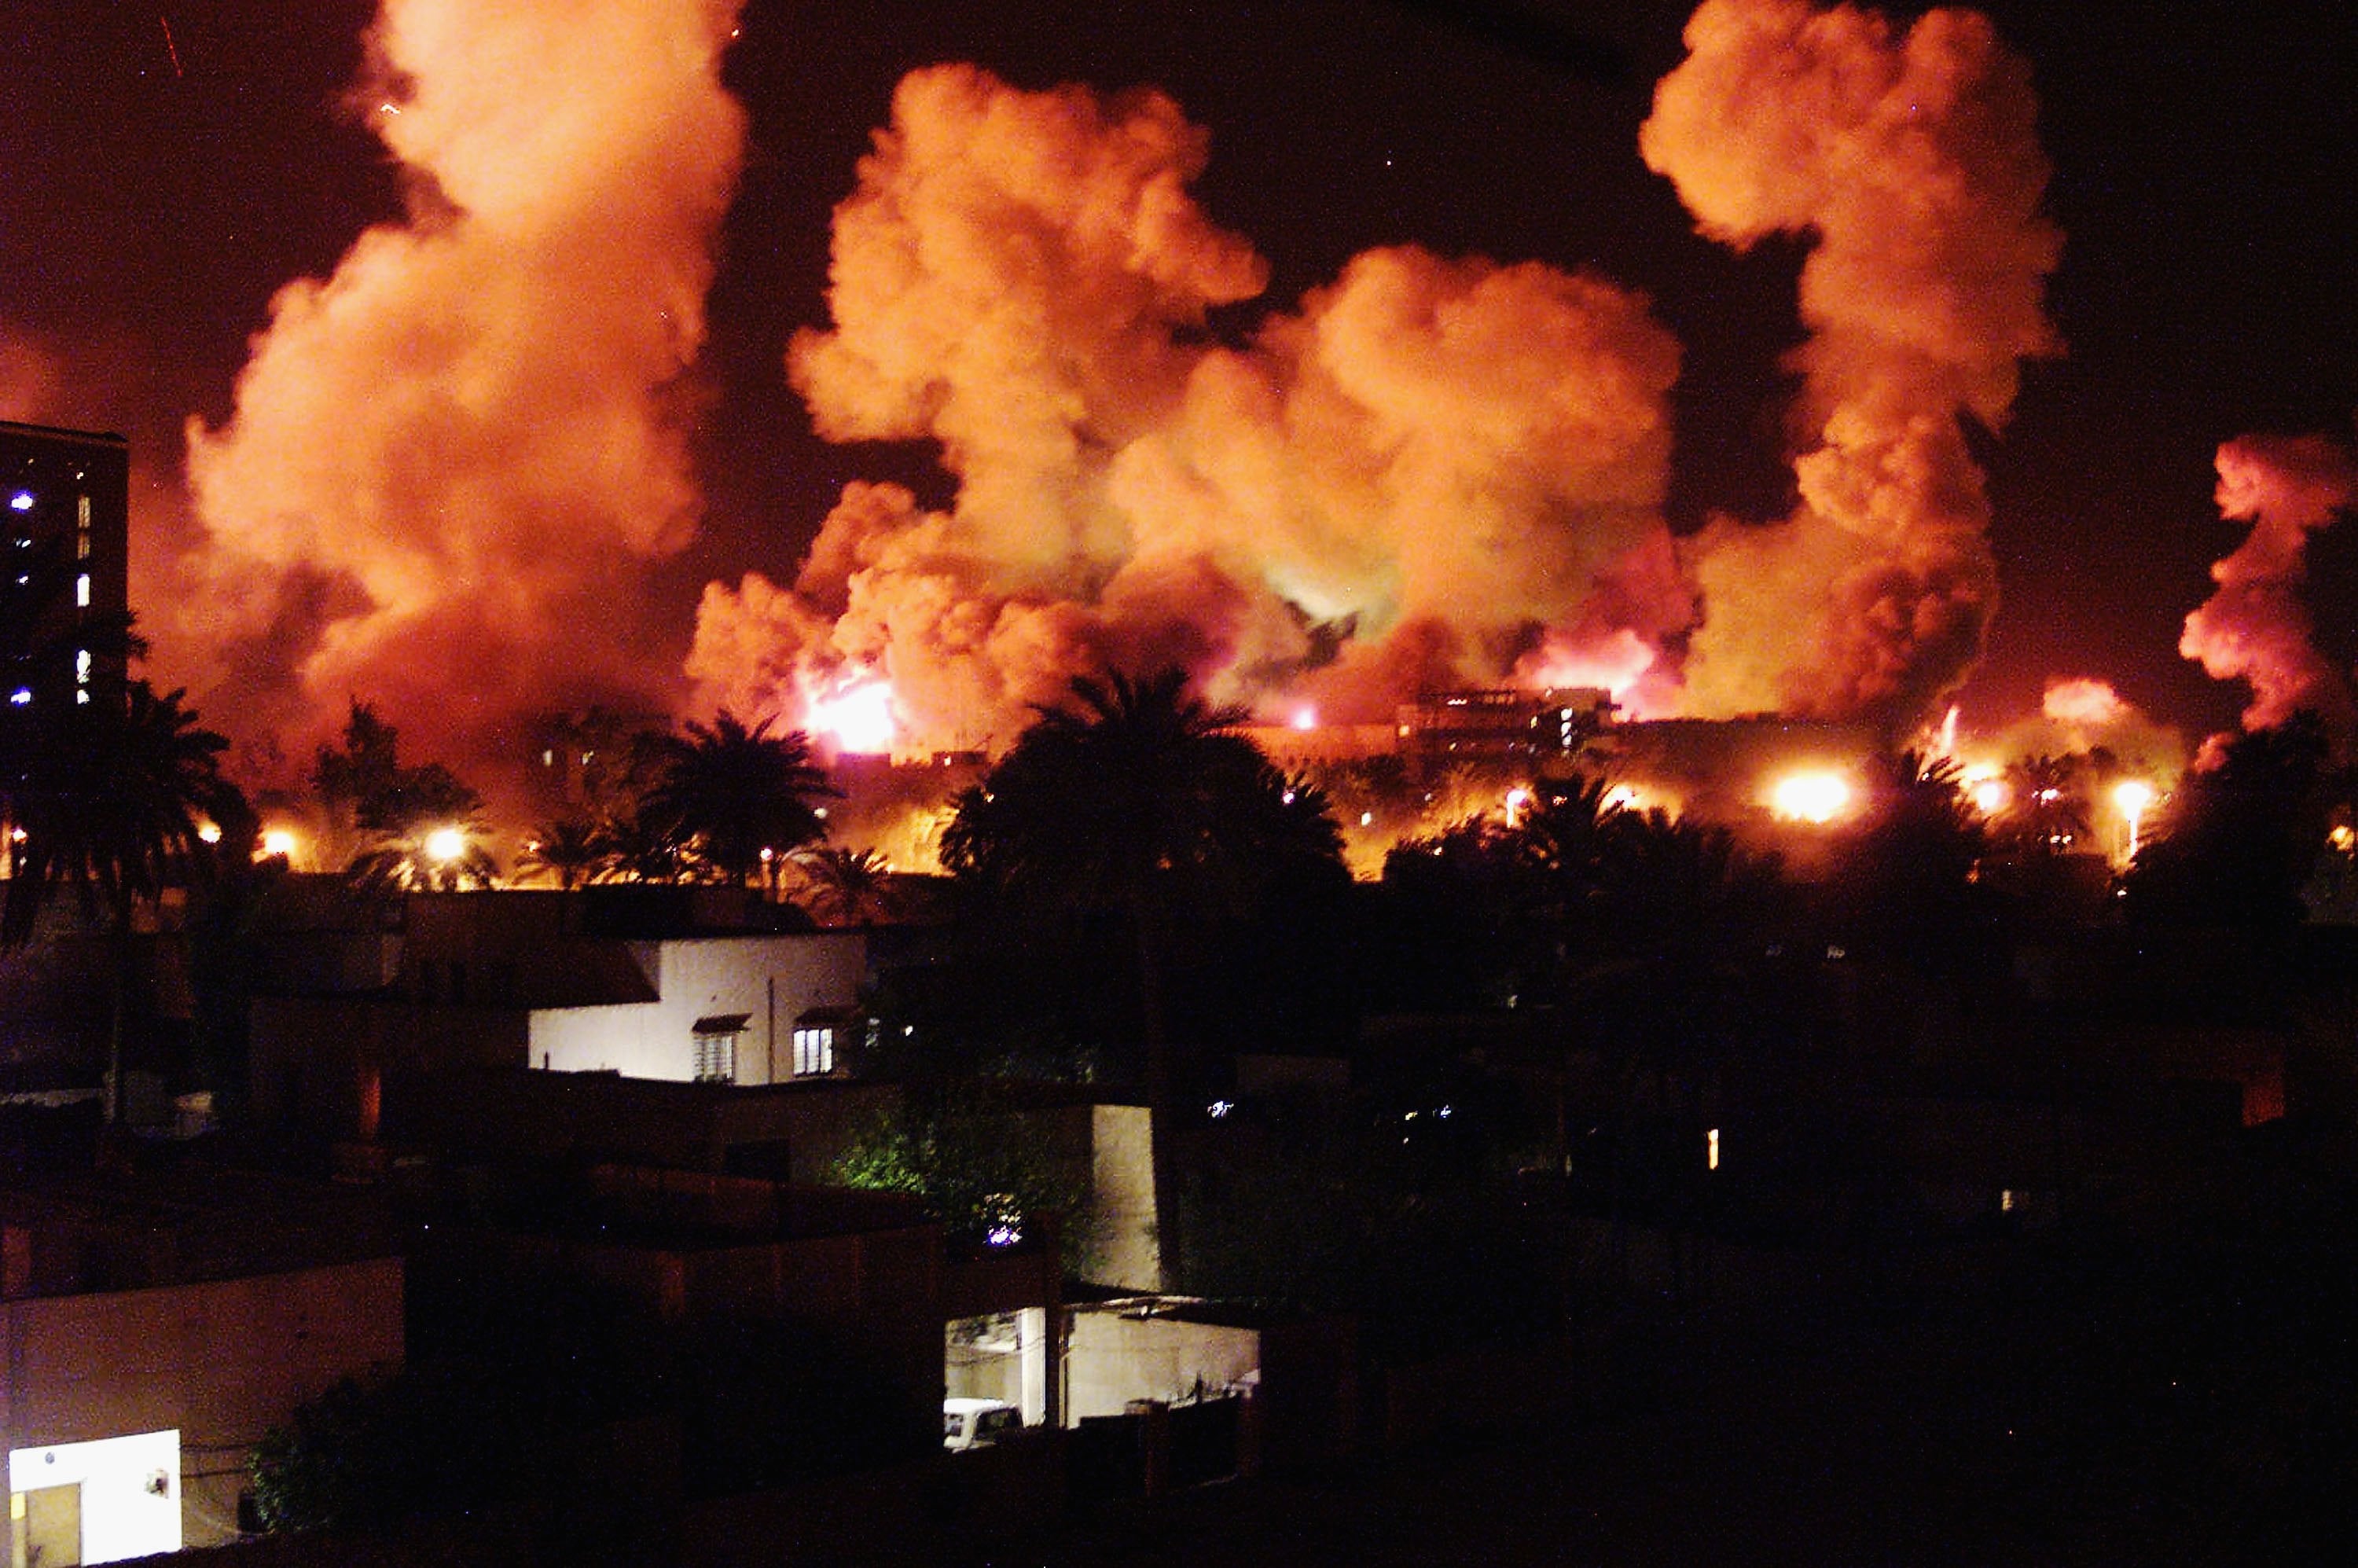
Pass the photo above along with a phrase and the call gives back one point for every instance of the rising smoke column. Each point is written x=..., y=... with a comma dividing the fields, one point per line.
x=2254, y=629
x=449, y=460
x=1909, y=159
x=1401, y=482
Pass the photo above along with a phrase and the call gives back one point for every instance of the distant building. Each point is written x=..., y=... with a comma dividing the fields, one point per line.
x=1501, y=725
x=65, y=497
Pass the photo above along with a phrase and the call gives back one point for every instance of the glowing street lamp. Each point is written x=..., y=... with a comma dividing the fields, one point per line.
x=1516, y=799
x=2133, y=797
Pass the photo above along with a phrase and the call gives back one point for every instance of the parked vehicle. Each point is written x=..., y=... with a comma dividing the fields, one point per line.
x=974, y=1424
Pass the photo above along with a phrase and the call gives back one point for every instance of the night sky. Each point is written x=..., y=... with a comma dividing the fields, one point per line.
x=2202, y=178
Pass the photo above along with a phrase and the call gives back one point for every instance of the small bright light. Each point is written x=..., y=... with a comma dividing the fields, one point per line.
x=1516, y=799
x=209, y=833
x=1005, y=1227
x=2342, y=838
x=445, y=844
x=1305, y=719
x=1810, y=797
x=1220, y=1107
x=1711, y=1150
x=768, y=855
x=1621, y=797
x=1989, y=796
x=1367, y=819
x=21, y=696
x=21, y=501
x=279, y=841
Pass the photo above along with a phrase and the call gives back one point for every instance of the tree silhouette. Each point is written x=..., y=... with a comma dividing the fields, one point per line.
x=570, y=849
x=843, y=887
x=2236, y=842
x=1134, y=812
x=112, y=799
x=725, y=792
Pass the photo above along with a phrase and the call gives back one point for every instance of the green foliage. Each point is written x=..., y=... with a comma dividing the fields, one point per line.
x=977, y=1165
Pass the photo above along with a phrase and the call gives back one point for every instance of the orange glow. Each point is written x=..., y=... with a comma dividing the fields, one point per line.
x=1305, y=719
x=279, y=841
x=445, y=844
x=1810, y=797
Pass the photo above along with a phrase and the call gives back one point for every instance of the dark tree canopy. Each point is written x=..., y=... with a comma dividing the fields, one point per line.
x=2236, y=841
x=110, y=798
x=726, y=791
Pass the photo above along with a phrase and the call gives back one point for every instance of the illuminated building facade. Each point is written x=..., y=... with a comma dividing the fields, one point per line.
x=65, y=497
x=1501, y=725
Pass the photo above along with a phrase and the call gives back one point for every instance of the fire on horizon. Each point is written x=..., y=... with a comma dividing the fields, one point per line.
x=1426, y=470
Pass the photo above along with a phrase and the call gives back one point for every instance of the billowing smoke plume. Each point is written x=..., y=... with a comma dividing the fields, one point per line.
x=1405, y=481
x=451, y=461
x=1909, y=160
x=2254, y=629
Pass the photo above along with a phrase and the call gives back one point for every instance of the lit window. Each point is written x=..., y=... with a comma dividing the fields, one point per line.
x=81, y=666
x=814, y=1052
x=21, y=501
x=716, y=1058
x=81, y=545
x=21, y=696
x=81, y=592
x=81, y=512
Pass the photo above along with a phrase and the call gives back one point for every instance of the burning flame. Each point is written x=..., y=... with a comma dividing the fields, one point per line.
x=1814, y=797
x=855, y=718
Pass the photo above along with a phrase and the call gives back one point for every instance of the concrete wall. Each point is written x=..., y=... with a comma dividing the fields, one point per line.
x=1111, y=1359
x=1123, y=1180
x=772, y=979
x=220, y=1361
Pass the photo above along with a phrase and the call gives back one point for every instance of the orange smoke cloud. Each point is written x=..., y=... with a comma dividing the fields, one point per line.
x=451, y=461
x=1910, y=161
x=1401, y=482
x=2083, y=701
x=2254, y=629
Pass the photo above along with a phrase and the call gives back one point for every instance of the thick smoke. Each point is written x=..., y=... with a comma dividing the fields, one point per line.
x=1404, y=482
x=2254, y=629
x=1909, y=161
x=451, y=461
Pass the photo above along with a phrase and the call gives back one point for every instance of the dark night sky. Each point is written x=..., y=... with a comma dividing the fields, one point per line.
x=2204, y=177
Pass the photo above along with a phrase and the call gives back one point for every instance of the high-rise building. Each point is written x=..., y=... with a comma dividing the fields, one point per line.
x=65, y=543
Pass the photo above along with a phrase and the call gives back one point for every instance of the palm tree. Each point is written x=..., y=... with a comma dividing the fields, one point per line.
x=844, y=887
x=1135, y=804
x=2047, y=808
x=727, y=791
x=111, y=799
x=571, y=849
